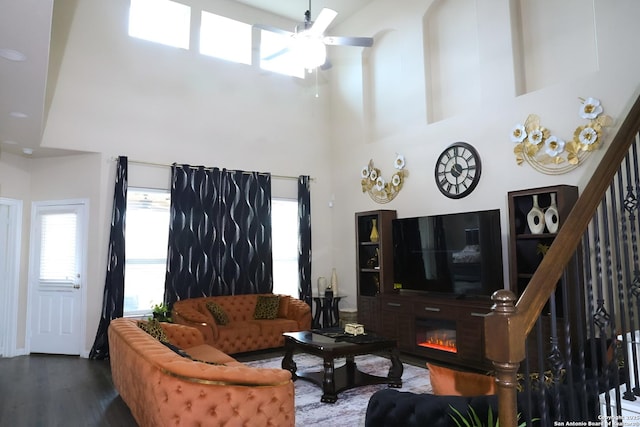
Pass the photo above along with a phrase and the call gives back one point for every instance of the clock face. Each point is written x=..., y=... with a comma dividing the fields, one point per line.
x=458, y=170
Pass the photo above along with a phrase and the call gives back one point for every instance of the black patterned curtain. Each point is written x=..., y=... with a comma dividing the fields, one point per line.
x=304, y=239
x=113, y=298
x=246, y=257
x=220, y=233
x=191, y=256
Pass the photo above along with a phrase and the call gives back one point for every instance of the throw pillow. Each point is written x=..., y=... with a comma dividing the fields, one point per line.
x=267, y=307
x=153, y=328
x=283, y=307
x=218, y=313
x=449, y=382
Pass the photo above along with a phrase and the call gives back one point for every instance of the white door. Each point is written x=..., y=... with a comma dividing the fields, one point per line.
x=58, y=239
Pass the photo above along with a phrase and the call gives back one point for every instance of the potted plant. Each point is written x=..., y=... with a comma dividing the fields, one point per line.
x=161, y=312
x=473, y=420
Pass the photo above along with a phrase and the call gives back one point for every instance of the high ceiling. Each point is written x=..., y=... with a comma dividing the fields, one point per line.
x=25, y=35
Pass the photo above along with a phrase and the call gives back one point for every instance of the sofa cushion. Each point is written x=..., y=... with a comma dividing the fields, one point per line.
x=218, y=313
x=267, y=307
x=153, y=328
x=449, y=382
x=283, y=307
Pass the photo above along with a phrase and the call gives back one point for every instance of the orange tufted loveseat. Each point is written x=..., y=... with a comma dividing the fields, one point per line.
x=163, y=388
x=243, y=332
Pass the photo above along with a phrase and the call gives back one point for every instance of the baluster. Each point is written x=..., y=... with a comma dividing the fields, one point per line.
x=541, y=368
x=594, y=316
x=588, y=334
x=601, y=317
x=568, y=364
x=629, y=204
x=621, y=296
x=555, y=359
x=611, y=330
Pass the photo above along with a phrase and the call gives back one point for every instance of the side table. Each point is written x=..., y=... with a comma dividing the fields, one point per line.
x=327, y=308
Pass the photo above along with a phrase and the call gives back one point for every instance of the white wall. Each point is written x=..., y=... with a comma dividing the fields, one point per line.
x=415, y=114
x=114, y=95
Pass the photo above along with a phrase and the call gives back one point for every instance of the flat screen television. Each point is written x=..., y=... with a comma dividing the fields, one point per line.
x=455, y=254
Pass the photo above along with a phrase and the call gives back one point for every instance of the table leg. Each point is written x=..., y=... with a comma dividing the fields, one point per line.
x=319, y=310
x=396, y=370
x=328, y=383
x=326, y=312
x=335, y=312
x=287, y=361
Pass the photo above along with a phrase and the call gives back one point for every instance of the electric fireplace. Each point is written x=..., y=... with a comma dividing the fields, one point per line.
x=436, y=334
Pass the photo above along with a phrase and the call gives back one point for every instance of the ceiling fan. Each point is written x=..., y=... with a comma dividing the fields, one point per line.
x=308, y=41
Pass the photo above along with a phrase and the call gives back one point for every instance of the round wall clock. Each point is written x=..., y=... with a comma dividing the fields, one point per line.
x=458, y=170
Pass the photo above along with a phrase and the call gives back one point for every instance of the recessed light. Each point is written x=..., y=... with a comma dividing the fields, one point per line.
x=12, y=55
x=18, y=114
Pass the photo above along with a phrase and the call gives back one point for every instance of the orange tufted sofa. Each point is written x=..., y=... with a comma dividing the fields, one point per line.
x=163, y=388
x=243, y=332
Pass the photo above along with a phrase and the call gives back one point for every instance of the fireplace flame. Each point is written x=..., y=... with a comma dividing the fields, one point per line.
x=440, y=342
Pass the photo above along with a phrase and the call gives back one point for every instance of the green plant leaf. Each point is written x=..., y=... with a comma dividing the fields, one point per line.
x=458, y=418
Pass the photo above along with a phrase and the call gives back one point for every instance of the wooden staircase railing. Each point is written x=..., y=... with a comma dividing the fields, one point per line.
x=507, y=327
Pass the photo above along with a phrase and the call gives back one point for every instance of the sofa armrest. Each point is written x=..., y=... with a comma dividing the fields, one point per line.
x=300, y=312
x=182, y=336
x=190, y=316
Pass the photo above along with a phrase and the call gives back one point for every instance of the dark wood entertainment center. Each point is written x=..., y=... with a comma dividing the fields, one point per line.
x=440, y=328
x=451, y=330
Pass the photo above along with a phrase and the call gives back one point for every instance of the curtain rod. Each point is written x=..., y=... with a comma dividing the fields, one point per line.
x=162, y=165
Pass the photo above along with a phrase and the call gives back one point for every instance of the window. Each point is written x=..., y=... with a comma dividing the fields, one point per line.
x=275, y=55
x=160, y=21
x=146, y=241
x=225, y=38
x=58, y=243
x=284, y=224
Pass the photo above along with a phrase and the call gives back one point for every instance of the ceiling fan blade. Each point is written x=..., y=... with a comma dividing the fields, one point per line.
x=275, y=54
x=272, y=29
x=349, y=41
x=327, y=65
x=323, y=21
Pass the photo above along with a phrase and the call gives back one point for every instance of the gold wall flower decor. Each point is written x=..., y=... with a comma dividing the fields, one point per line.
x=378, y=188
x=552, y=155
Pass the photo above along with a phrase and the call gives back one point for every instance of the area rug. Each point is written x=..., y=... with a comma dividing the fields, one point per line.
x=351, y=407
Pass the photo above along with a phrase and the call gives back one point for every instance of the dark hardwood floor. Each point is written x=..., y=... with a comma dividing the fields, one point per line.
x=44, y=390
x=49, y=390
x=67, y=391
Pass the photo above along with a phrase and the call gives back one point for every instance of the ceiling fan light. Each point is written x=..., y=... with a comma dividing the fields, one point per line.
x=310, y=52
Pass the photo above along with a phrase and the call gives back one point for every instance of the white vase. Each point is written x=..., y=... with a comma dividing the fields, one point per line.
x=551, y=218
x=322, y=285
x=535, y=217
x=334, y=282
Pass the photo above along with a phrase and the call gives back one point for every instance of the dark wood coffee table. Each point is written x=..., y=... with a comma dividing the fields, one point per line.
x=334, y=381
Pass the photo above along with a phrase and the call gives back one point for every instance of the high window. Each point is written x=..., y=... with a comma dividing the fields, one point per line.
x=160, y=21
x=225, y=38
x=168, y=22
x=146, y=242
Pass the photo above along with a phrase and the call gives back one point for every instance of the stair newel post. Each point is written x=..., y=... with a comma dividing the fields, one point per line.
x=505, y=343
